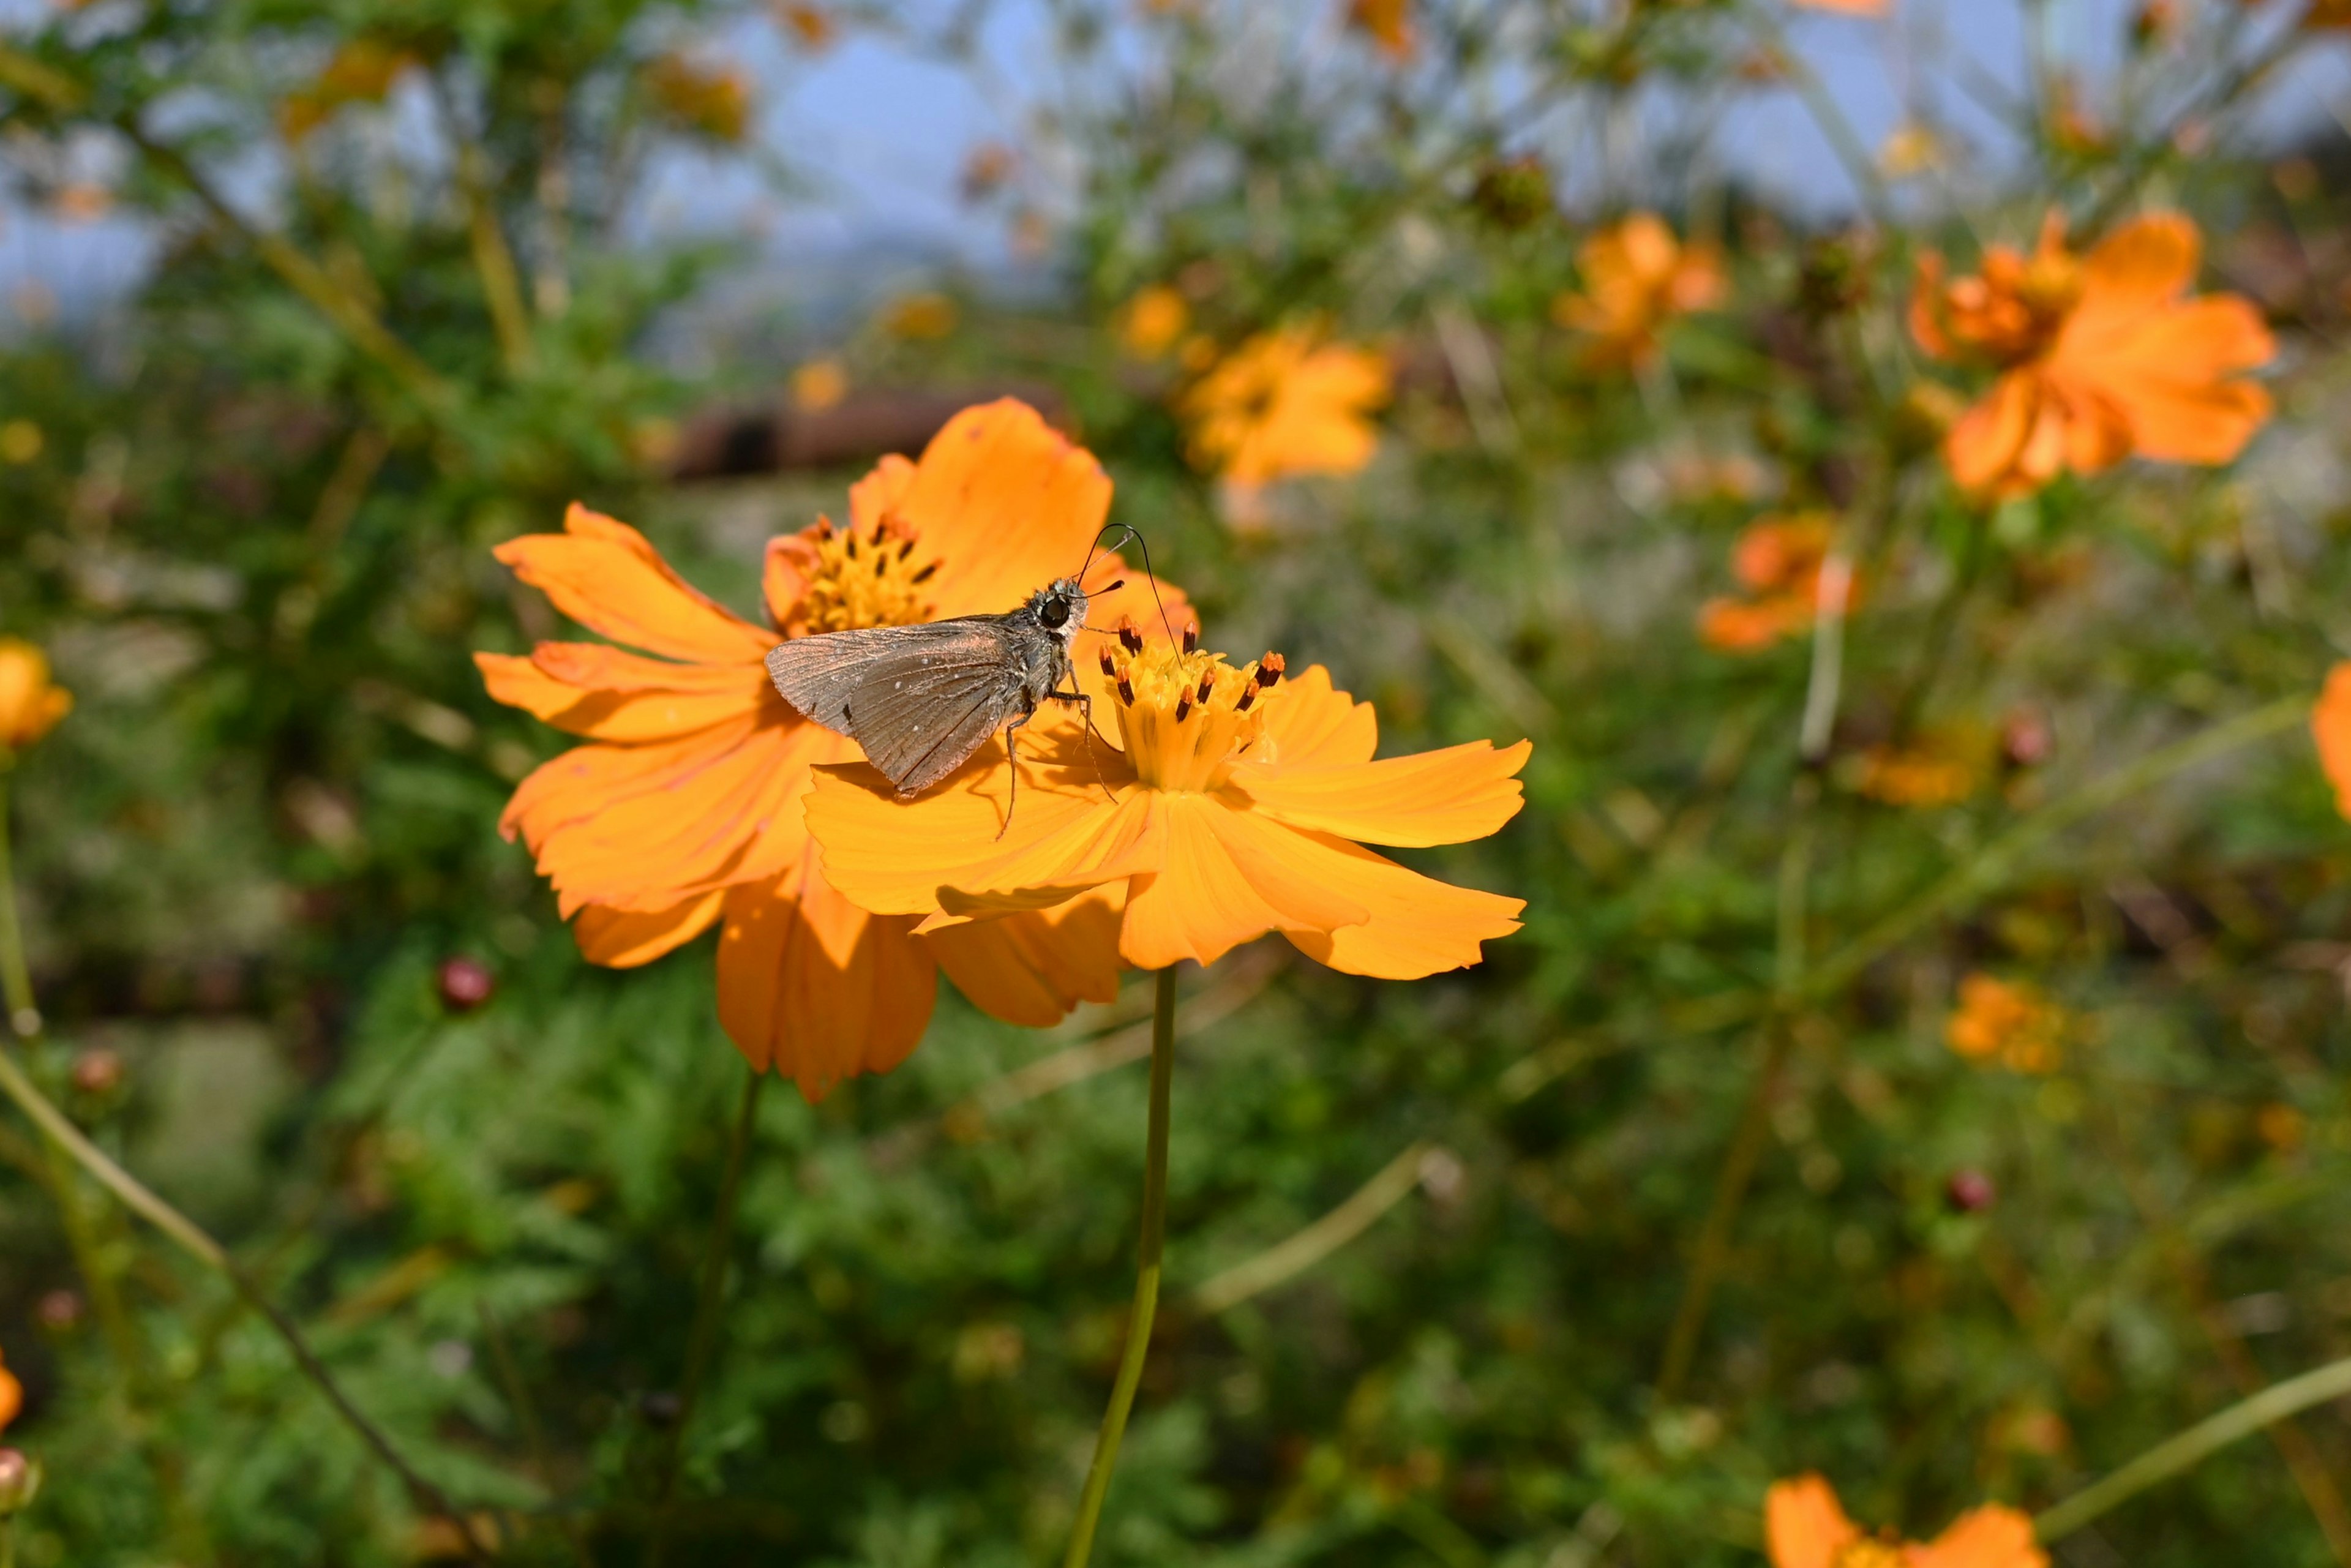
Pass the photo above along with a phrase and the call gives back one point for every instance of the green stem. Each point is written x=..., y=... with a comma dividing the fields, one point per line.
x=1147, y=1279
x=2169, y=1458
x=15, y=975
x=708, y=1312
x=191, y=1237
x=1987, y=868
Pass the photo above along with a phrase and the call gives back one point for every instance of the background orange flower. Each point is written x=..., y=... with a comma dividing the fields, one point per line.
x=1287, y=403
x=30, y=703
x=1637, y=277
x=684, y=810
x=2102, y=355
x=1804, y=1526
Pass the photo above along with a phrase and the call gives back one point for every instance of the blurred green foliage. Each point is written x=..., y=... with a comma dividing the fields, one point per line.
x=255, y=538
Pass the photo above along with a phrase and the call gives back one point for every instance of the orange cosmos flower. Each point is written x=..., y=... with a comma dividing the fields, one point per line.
x=1234, y=808
x=12, y=1396
x=715, y=103
x=361, y=71
x=1778, y=561
x=684, y=810
x=1637, y=277
x=1150, y=323
x=1941, y=768
x=2330, y=727
x=30, y=705
x=2011, y=1020
x=1388, y=25
x=1286, y=403
x=1805, y=1527
x=2100, y=356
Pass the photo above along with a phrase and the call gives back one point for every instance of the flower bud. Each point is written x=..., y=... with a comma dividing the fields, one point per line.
x=30, y=704
x=1969, y=1191
x=464, y=984
x=98, y=1071
x=20, y=1483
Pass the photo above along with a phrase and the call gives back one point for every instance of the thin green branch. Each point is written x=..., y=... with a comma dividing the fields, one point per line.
x=702, y=1340
x=2191, y=1447
x=1146, y=1280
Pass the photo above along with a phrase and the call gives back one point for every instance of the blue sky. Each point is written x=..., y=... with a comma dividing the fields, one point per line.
x=881, y=136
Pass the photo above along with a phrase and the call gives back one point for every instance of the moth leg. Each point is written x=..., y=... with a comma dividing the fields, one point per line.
x=1086, y=706
x=1012, y=756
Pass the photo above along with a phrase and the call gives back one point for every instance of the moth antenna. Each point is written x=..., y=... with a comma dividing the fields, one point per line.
x=1130, y=534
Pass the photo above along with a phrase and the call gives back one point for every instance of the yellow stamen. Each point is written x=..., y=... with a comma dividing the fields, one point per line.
x=868, y=581
x=1186, y=718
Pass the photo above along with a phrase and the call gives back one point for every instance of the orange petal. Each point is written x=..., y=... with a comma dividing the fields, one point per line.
x=1984, y=445
x=875, y=498
x=1989, y=1537
x=2141, y=266
x=603, y=574
x=784, y=573
x=1032, y=968
x=1804, y=1524
x=2330, y=727
x=896, y=856
x=618, y=825
x=624, y=939
x=607, y=693
x=1005, y=503
x=1433, y=798
x=1223, y=880
x=11, y=1398
x=814, y=987
x=1416, y=925
x=1309, y=721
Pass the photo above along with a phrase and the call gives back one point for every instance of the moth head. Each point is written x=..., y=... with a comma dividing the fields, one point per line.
x=1059, y=608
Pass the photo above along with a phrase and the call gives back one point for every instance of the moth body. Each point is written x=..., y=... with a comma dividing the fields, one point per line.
x=921, y=699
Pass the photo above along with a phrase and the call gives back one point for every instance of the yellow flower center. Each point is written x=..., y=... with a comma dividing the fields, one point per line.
x=1187, y=716
x=866, y=579
x=1868, y=1553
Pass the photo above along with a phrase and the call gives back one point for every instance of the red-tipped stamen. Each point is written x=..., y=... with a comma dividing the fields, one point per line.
x=1110, y=666
x=1191, y=639
x=1182, y=708
x=1128, y=637
x=1270, y=669
x=925, y=575
x=1125, y=692
x=1207, y=684
x=905, y=549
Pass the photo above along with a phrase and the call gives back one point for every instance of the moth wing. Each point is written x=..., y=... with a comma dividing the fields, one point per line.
x=919, y=699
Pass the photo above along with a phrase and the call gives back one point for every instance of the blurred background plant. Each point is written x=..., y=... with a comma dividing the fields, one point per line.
x=1925, y=1062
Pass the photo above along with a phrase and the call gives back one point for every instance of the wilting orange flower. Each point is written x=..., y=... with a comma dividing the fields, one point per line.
x=1152, y=321
x=684, y=810
x=2323, y=14
x=2100, y=356
x=2011, y=1020
x=1232, y=807
x=812, y=24
x=717, y=103
x=819, y=385
x=361, y=71
x=1805, y=1527
x=30, y=704
x=1637, y=277
x=1941, y=768
x=2330, y=727
x=1388, y=25
x=913, y=317
x=1285, y=403
x=1778, y=561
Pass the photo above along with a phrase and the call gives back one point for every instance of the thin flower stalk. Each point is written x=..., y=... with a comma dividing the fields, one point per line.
x=1147, y=1277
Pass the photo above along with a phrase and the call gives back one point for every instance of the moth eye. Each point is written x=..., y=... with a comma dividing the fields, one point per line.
x=1054, y=612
